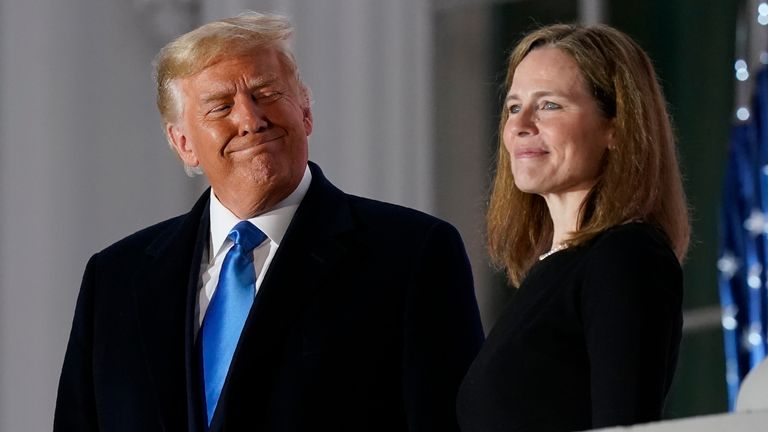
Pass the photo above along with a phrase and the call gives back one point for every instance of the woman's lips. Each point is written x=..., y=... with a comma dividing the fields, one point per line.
x=527, y=153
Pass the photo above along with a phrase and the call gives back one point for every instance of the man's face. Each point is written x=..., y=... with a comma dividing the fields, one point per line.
x=245, y=120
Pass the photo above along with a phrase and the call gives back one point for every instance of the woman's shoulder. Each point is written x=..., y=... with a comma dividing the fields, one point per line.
x=630, y=255
x=634, y=239
x=630, y=269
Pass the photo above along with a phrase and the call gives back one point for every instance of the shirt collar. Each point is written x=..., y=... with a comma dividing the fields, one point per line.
x=273, y=223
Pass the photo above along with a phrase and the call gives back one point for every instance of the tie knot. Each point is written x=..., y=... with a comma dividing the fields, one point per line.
x=247, y=235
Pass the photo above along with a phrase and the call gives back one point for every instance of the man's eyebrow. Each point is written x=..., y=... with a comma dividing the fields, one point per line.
x=228, y=90
x=217, y=94
x=262, y=81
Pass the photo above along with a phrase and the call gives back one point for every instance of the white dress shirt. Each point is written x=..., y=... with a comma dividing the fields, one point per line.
x=273, y=223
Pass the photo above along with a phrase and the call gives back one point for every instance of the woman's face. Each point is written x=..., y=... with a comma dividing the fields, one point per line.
x=555, y=133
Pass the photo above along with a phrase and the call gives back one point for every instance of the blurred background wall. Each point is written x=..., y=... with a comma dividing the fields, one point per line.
x=406, y=98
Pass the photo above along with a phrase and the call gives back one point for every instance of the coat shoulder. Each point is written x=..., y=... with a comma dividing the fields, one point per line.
x=386, y=217
x=143, y=238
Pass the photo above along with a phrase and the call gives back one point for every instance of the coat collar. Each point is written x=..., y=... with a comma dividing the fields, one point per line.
x=165, y=288
x=166, y=295
x=314, y=244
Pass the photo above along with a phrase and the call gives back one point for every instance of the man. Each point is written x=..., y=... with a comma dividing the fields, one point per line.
x=278, y=303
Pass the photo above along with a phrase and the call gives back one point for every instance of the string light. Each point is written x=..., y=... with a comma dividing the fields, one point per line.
x=728, y=265
x=732, y=372
x=762, y=14
x=755, y=334
x=729, y=318
x=742, y=74
x=753, y=276
x=742, y=113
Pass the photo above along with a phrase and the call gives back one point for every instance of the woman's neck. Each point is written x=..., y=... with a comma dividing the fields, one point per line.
x=564, y=211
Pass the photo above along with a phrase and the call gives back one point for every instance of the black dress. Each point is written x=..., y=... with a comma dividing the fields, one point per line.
x=590, y=340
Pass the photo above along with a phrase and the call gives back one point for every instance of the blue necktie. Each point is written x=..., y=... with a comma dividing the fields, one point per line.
x=229, y=307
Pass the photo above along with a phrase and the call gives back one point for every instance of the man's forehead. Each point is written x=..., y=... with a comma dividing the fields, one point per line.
x=232, y=72
x=259, y=62
x=225, y=74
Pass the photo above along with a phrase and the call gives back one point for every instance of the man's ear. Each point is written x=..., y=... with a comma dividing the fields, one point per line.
x=307, y=120
x=181, y=144
x=306, y=107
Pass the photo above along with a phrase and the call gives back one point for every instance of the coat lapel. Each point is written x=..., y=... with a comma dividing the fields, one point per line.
x=165, y=288
x=312, y=247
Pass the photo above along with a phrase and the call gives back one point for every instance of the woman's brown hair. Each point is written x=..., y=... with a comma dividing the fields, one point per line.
x=640, y=179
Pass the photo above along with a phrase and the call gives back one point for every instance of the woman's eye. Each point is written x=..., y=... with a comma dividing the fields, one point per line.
x=550, y=106
x=514, y=109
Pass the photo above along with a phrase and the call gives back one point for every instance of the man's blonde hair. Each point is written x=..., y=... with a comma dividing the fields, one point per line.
x=192, y=52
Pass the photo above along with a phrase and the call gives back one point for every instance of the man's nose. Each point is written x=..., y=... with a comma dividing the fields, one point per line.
x=251, y=117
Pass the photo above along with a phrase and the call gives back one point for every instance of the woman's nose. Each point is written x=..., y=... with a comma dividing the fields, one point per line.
x=522, y=123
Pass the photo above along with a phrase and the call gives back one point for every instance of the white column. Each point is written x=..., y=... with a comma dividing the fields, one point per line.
x=368, y=63
x=82, y=163
x=592, y=11
x=465, y=135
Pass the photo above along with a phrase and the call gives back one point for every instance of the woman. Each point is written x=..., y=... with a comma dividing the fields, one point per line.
x=588, y=217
